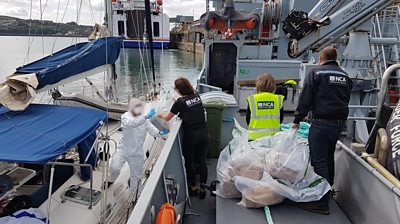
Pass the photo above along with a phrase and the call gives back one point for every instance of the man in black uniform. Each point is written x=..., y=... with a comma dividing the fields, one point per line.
x=326, y=93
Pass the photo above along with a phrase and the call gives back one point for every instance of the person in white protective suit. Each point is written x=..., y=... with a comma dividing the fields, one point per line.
x=135, y=126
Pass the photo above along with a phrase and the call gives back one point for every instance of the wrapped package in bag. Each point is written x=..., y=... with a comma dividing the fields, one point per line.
x=238, y=159
x=289, y=158
x=258, y=193
x=311, y=188
x=288, y=162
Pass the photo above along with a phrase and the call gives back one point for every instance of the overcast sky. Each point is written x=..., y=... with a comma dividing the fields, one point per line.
x=91, y=10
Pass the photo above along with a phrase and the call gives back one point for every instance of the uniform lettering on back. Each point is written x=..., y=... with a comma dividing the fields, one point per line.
x=263, y=105
x=192, y=102
x=337, y=80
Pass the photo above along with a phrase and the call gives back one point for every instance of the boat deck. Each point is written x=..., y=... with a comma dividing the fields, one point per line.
x=287, y=212
x=220, y=211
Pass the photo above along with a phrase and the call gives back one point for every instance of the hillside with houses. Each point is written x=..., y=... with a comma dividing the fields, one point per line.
x=24, y=27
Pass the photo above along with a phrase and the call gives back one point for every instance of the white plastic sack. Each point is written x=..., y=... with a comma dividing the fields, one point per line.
x=238, y=159
x=311, y=188
x=268, y=142
x=288, y=163
x=288, y=159
x=257, y=194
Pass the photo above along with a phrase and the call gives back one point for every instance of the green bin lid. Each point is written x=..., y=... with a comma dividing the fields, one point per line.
x=215, y=104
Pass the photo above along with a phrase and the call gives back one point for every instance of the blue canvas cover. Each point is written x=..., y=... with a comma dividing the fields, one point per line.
x=43, y=132
x=74, y=60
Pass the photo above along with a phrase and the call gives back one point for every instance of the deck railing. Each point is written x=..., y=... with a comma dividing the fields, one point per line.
x=153, y=194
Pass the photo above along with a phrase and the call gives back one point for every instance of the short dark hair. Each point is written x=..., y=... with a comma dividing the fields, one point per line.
x=328, y=54
x=184, y=87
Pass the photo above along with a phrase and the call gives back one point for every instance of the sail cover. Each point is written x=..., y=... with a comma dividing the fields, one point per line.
x=19, y=88
x=43, y=132
x=74, y=60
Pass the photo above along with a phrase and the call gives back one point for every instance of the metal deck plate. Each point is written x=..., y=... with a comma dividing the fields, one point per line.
x=285, y=213
x=289, y=212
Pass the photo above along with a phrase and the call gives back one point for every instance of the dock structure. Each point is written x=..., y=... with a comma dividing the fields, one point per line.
x=185, y=35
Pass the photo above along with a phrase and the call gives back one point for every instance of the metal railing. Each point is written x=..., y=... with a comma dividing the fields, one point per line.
x=53, y=164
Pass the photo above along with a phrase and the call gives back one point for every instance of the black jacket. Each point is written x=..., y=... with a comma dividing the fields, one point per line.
x=326, y=93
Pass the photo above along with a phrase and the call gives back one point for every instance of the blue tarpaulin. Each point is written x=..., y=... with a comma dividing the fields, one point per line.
x=74, y=60
x=43, y=132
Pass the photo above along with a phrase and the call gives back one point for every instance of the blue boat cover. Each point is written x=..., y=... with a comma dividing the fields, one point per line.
x=74, y=60
x=43, y=132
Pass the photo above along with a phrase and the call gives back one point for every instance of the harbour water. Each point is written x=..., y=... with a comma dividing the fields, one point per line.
x=133, y=73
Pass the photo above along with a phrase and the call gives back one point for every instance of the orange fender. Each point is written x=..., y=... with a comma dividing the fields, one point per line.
x=166, y=215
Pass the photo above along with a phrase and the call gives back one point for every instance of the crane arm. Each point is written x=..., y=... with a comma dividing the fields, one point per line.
x=306, y=33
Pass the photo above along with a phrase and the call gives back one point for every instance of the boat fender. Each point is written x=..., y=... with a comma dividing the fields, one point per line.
x=166, y=215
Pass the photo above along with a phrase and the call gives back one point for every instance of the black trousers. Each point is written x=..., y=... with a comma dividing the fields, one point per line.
x=322, y=140
x=195, y=149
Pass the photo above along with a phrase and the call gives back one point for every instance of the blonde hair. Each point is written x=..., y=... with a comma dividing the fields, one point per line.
x=265, y=83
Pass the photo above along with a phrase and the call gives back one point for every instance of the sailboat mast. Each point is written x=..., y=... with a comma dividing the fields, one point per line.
x=108, y=16
x=110, y=88
x=149, y=31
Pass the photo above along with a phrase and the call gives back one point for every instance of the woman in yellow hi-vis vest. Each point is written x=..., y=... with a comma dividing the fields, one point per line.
x=265, y=109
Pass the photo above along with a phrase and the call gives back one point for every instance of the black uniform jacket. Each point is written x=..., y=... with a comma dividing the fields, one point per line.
x=326, y=93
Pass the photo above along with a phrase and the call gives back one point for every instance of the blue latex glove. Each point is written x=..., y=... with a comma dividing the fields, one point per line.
x=164, y=132
x=151, y=113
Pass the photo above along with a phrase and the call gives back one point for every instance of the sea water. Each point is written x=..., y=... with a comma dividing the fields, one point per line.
x=132, y=78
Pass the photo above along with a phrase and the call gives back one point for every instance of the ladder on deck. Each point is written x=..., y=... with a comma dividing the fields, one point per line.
x=387, y=25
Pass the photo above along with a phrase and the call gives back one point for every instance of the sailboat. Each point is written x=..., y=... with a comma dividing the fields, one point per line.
x=55, y=158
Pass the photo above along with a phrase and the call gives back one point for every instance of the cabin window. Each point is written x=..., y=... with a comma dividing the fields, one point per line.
x=121, y=28
x=156, y=29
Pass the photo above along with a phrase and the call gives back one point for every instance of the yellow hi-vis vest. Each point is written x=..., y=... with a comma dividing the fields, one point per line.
x=265, y=114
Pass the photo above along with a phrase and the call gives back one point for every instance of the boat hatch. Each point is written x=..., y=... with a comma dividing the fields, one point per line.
x=81, y=195
x=222, y=66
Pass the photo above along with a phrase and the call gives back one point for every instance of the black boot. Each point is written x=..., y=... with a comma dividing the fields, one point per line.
x=193, y=192
x=202, y=193
x=315, y=206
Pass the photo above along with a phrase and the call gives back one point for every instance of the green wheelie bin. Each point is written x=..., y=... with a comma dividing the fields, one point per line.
x=214, y=111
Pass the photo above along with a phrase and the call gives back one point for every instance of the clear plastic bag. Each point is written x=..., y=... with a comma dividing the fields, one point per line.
x=311, y=188
x=268, y=169
x=288, y=163
x=257, y=194
x=237, y=159
x=267, y=143
x=164, y=102
x=288, y=159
